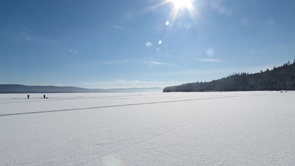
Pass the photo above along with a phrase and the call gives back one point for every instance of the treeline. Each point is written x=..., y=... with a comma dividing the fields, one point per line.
x=15, y=88
x=279, y=78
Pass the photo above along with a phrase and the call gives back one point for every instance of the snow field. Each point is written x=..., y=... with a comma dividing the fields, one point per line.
x=236, y=128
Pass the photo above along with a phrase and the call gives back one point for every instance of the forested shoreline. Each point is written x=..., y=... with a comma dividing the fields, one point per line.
x=278, y=78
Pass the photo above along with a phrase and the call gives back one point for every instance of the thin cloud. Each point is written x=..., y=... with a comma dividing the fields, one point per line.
x=193, y=72
x=208, y=60
x=121, y=83
x=115, y=62
x=25, y=36
x=73, y=51
x=18, y=37
x=157, y=63
x=117, y=27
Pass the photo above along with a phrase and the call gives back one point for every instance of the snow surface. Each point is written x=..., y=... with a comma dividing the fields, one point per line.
x=123, y=129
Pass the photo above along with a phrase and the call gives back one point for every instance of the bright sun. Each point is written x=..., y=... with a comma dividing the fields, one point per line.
x=178, y=4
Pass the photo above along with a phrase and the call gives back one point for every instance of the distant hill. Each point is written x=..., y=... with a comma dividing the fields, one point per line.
x=279, y=78
x=15, y=88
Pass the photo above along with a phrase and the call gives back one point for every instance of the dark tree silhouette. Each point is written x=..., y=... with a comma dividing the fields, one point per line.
x=279, y=78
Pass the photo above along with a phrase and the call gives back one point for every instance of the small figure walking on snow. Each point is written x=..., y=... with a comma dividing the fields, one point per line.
x=28, y=96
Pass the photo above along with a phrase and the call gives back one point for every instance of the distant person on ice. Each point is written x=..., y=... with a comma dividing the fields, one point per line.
x=44, y=96
x=28, y=96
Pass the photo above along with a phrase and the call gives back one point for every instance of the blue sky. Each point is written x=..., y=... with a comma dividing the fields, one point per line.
x=141, y=43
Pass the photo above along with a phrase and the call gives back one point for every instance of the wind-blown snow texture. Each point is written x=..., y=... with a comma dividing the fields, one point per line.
x=237, y=128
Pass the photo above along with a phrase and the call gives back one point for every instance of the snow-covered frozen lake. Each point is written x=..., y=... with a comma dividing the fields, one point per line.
x=124, y=129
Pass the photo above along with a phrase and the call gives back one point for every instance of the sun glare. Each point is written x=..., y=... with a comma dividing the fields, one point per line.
x=179, y=8
x=179, y=4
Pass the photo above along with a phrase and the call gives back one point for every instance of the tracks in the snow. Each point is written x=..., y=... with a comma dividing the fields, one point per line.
x=113, y=106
